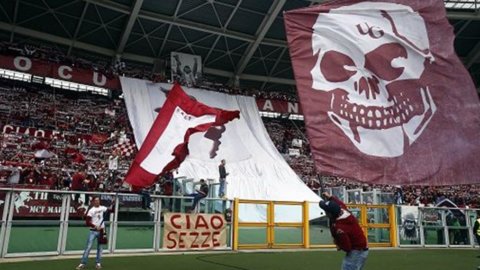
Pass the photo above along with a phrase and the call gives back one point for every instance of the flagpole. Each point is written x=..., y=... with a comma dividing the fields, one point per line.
x=319, y=177
x=322, y=185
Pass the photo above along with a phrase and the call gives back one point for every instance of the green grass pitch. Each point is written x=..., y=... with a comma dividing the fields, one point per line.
x=421, y=259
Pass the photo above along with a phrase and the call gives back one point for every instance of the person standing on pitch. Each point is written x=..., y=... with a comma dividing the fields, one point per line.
x=223, y=178
x=346, y=232
x=95, y=220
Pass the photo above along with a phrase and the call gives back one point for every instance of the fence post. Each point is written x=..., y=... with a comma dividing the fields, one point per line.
x=235, y=223
x=157, y=225
x=8, y=225
x=306, y=225
x=421, y=228
x=62, y=239
x=113, y=226
x=270, y=224
x=393, y=225
x=363, y=218
x=3, y=228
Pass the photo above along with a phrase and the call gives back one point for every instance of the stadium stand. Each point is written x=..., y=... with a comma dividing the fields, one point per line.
x=60, y=133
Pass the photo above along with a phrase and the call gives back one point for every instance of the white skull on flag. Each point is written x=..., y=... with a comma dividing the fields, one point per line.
x=370, y=59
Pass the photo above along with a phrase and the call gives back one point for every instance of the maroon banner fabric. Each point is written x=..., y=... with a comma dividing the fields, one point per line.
x=385, y=98
x=166, y=145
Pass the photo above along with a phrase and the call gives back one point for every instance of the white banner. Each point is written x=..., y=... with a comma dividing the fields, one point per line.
x=256, y=170
x=194, y=231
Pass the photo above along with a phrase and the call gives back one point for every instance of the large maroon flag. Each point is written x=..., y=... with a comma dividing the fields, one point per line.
x=385, y=98
x=166, y=144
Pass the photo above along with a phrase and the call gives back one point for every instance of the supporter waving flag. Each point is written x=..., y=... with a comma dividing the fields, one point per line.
x=166, y=145
x=386, y=100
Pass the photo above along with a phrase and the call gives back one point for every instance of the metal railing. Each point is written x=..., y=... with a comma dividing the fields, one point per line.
x=377, y=222
x=462, y=4
x=358, y=196
x=435, y=226
x=37, y=222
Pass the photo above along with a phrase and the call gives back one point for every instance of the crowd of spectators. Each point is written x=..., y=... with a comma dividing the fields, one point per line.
x=61, y=139
x=284, y=95
x=82, y=154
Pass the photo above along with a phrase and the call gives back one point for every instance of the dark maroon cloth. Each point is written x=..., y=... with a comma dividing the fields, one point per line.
x=429, y=115
x=88, y=222
x=77, y=181
x=346, y=232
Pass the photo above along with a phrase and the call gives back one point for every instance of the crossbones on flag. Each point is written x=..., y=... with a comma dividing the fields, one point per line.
x=166, y=144
x=124, y=148
x=385, y=98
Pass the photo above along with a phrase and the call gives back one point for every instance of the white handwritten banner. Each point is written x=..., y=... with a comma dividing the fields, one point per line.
x=194, y=231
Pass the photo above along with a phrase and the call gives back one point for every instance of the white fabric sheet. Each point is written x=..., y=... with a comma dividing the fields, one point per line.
x=256, y=169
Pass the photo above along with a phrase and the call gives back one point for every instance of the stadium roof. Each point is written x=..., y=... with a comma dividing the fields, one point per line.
x=242, y=39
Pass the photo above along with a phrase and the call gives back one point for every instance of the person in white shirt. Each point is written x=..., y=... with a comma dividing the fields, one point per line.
x=95, y=220
x=113, y=166
x=113, y=162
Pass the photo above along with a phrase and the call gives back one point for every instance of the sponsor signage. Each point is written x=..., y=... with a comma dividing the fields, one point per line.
x=62, y=72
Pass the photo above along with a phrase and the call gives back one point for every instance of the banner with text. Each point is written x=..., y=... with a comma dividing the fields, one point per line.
x=49, y=204
x=90, y=77
x=58, y=71
x=279, y=106
x=194, y=231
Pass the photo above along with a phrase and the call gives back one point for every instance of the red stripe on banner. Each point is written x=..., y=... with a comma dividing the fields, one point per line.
x=137, y=176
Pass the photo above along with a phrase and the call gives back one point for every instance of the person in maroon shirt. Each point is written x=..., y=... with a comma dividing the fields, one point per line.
x=80, y=183
x=346, y=232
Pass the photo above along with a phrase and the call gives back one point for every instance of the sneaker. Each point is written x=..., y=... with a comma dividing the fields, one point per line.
x=98, y=266
x=80, y=266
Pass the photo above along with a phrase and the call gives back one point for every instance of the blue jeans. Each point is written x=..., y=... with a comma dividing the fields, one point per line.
x=221, y=189
x=146, y=199
x=91, y=237
x=354, y=260
x=196, y=198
